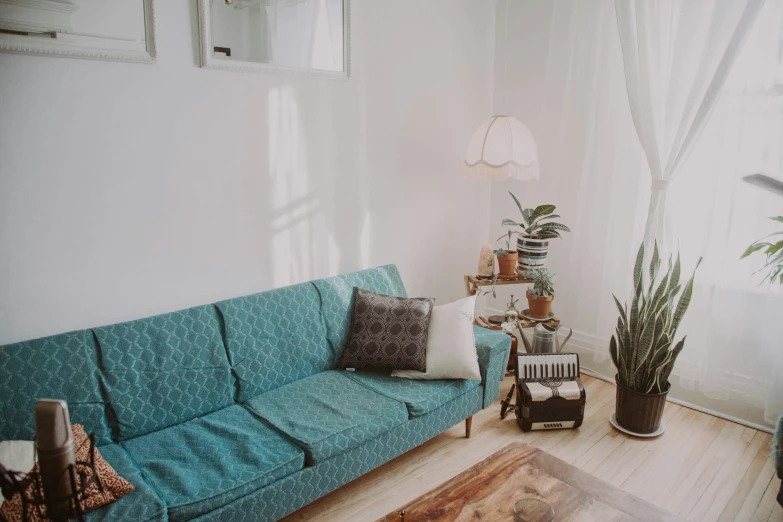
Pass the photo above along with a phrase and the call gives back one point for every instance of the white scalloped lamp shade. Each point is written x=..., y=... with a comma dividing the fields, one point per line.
x=502, y=148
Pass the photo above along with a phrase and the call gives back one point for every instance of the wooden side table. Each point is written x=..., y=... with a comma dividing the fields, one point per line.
x=473, y=283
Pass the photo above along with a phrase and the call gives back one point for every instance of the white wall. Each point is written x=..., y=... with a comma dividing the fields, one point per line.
x=128, y=190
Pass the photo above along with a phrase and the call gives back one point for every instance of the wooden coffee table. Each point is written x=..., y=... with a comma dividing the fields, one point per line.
x=488, y=491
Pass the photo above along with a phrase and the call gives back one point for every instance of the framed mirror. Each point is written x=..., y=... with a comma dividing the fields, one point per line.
x=98, y=29
x=309, y=37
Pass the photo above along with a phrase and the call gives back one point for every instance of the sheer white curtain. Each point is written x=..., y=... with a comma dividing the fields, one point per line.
x=677, y=56
x=567, y=82
x=735, y=325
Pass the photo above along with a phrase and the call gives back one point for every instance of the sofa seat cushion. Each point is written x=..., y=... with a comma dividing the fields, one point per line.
x=210, y=461
x=419, y=396
x=328, y=413
x=142, y=504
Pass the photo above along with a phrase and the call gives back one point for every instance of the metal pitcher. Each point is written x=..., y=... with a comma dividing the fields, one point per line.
x=545, y=339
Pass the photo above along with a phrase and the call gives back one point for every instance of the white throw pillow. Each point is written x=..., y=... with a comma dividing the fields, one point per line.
x=16, y=455
x=451, y=347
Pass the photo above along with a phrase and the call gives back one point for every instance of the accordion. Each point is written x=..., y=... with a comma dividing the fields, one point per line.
x=550, y=394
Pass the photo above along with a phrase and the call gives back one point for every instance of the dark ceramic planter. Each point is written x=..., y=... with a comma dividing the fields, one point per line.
x=639, y=412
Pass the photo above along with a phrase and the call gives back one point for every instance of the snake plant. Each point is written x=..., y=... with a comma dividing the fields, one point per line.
x=641, y=348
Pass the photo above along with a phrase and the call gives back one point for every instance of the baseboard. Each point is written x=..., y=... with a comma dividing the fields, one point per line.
x=689, y=405
x=584, y=343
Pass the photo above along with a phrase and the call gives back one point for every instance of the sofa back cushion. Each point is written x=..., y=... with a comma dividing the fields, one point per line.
x=164, y=370
x=274, y=338
x=337, y=298
x=58, y=367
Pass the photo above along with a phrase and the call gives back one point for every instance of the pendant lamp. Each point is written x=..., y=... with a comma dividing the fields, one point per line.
x=502, y=148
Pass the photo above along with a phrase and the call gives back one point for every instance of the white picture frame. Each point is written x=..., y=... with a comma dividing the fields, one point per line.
x=209, y=61
x=18, y=44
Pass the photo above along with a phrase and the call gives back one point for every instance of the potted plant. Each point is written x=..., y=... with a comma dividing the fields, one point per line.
x=774, y=253
x=507, y=258
x=642, y=348
x=541, y=294
x=537, y=230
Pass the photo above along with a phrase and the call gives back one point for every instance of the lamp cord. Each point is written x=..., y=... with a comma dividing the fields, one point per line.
x=505, y=59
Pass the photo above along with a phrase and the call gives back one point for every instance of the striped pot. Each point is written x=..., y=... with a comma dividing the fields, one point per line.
x=532, y=254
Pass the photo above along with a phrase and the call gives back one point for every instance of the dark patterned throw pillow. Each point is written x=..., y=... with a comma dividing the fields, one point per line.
x=387, y=332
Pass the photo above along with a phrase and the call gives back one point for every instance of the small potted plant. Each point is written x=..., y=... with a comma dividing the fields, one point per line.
x=541, y=294
x=642, y=348
x=507, y=258
x=537, y=230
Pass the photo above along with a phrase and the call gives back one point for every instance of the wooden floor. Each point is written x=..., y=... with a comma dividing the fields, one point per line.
x=703, y=467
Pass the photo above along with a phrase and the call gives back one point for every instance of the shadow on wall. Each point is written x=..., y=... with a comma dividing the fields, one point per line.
x=310, y=199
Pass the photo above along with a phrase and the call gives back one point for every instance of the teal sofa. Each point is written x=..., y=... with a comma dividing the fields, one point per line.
x=234, y=411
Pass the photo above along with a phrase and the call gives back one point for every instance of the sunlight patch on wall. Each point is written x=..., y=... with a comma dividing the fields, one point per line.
x=302, y=246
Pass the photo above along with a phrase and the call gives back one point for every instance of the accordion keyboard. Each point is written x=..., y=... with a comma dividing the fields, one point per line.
x=547, y=367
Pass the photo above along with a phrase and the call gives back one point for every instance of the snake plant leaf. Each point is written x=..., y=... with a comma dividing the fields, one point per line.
x=637, y=270
x=624, y=344
x=675, y=279
x=655, y=263
x=665, y=371
x=621, y=309
x=613, y=352
x=634, y=318
x=660, y=293
x=685, y=299
x=645, y=343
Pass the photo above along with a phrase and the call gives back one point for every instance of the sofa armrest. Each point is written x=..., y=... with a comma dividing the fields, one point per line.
x=493, y=350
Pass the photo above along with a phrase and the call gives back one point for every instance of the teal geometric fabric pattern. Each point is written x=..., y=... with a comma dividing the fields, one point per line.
x=164, y=370
x=493, y=351
x=208, y=462
x=143, y=504
x=275, y=337
x=327, y=413
x=57, y=367
x=420, y=396
x=337, y=296
x=293, y=492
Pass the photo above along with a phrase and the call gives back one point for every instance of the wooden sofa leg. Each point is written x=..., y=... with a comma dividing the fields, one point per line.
x=468, y=424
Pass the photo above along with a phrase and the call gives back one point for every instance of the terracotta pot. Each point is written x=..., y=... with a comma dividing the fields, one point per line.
x=540, y=307
x=639, y=412
x=508, y=264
